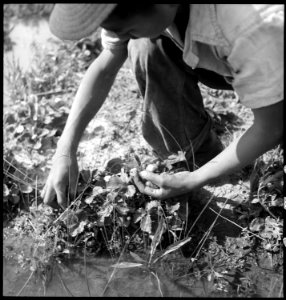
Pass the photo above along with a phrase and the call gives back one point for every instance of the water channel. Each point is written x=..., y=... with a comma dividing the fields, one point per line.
x=77, y=277
x=26, y=37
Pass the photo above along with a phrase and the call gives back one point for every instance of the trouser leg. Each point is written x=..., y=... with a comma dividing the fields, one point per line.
x=174, y=117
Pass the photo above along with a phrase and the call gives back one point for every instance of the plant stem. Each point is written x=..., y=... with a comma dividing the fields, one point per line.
x=19, y=293
x=86, y=279
x=200, y=215
x=237, y=225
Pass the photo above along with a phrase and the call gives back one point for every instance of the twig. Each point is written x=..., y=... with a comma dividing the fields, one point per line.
x=211, y=227
x=201, y=241
x=113, y=272
x=262, y=204
x=49, y=93
x=237, y=225
x=281, y=290
x=32, y=225
x=187, y=214
x=36, y=196
x=86, y=279
x=64, y=285
x=159, y=285
x=25, y=284
x=272, y=287
x=18, y=179
x=200, y=214
x=5, y=160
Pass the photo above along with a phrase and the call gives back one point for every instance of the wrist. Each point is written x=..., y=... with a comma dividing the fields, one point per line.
x=196, y=179
x=65, y=148
x=58, y=155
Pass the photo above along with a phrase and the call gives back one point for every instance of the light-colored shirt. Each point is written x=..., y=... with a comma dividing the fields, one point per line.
x=242, y=42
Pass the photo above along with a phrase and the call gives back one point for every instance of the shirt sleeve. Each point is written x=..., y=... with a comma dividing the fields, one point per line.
x=257, y=60
x=112, y=41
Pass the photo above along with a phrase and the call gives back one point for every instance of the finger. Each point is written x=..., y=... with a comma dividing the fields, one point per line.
x=50, y=198
x=155, y=193
x=140, y=185
x=43, y=192
x=49, y=195
x=61, y=198
x=54, y=203
x=73, y=187
x=150, y=191
x=150, y=184
x=149, y=176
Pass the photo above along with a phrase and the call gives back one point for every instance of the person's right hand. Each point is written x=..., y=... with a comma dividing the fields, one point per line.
x=62, y=181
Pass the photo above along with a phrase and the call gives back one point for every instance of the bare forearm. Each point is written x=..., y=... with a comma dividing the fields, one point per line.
x=237, y=155
x=90, y=96
x=265, y=133
x=86, y=104
x=259, y=138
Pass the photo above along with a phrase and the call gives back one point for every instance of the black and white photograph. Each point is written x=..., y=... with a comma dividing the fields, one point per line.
x=143, y=151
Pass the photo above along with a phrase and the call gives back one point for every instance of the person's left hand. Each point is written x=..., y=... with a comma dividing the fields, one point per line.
x=163, y=186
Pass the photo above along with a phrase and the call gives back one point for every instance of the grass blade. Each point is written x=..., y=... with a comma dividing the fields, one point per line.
x=19, y=293
x=137, y=257
x=159, y=285
x=126, y=264
x=157, y=237
x=173, y=247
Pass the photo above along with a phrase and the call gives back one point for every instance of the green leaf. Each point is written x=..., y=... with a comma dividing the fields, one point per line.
x=151, y=168
x=139, y=214
x=172, y=208
x=71, y=220
x=124, y=177
x=145, y=223
x=131, y=191
x=25, y=188
x=44, y=132
x=6, y=190
x=173, y=247
x=151, y=204
x=174, y=158
x=132, y=162
x=89, y=200
x=97, y=190
x=115, y=182
x=137, y=257
x=105, y=212
x=111, y=196
x=273, y=178
x=38, y=145
x=114, y=165
x=123, y=221
x=85, y=175
x=158, y=235
x=123, y=210
x=19, y=129
x=79, y=229
x=256, y=224
x=255, y=200
x=14, y=199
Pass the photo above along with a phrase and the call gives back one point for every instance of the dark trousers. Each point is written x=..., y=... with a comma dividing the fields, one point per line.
x=174, y=116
